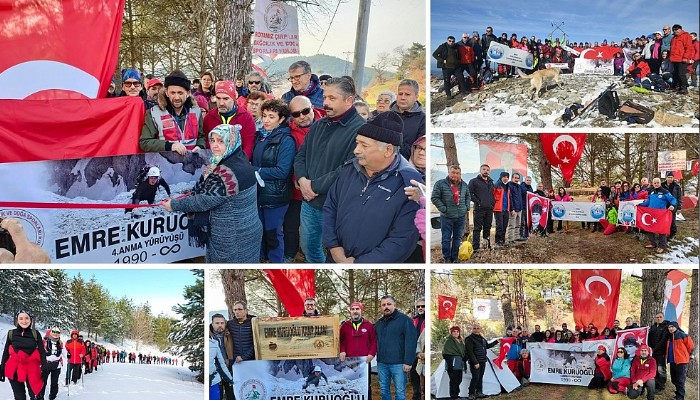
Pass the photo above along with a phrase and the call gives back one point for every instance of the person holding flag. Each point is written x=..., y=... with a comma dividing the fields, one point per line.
x=659, y=199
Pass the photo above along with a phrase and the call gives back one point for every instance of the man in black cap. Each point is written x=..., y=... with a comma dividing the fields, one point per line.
x=367, y=217
x=176, y=123
x=675, y=189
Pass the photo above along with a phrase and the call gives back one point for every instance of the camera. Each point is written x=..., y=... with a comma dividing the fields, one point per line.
x=6, y=241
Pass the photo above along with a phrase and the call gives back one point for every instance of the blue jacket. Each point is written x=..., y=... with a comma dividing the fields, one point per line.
x=516, y=196
x=217, y=364
x=524, y=188
x=660, y=199
x=621, y=367
x=315, y=93
x=371, y=218
x=514, y=351
x=273, y=158
x=396, y=339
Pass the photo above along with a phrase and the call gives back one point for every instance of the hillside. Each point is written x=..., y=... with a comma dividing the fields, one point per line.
x=320, y=64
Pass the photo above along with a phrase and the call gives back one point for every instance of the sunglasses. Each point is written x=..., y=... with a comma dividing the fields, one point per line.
x=423, y=306
x=56, y=332
x=132, y=84
x=254, y=82
x=305, y=111
x=620, y=352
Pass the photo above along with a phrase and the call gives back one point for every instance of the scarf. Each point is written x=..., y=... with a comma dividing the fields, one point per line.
x=455, y=192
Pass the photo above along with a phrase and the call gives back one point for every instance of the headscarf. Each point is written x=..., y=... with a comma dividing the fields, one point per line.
x=231, y=135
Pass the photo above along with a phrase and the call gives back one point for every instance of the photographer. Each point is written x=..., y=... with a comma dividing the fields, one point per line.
x=25, y=252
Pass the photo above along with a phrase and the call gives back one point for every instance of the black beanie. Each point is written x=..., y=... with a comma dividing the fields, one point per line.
x=177, y=78
x=385, y=127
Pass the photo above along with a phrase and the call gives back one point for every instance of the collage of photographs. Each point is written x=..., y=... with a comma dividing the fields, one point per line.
x=519, y=181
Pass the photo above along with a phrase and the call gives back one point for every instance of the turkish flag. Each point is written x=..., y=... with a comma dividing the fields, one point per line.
x=600, y=52
x=293, y=286
x=503, y=352
x=596, y=293
x=563, y=151
x=539, y=206
x=447, y=306
x=34, y=130
x=654, y=220
x=631, y=339
x=694, y=167
x=501, y=156
x=674, y=294
x=58, y=49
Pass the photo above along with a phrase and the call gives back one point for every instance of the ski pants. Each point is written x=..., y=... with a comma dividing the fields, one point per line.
x=53, y=391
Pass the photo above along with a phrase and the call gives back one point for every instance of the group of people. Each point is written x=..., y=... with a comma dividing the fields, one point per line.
x=672, y=54
x=396, y=341
x=505, y=201
x=634, y=370
x=314, y=166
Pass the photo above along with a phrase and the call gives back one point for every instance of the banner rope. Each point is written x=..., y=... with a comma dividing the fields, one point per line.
x=45, y=205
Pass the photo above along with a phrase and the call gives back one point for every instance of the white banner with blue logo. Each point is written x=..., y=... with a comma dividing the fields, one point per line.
x=502, y=54
x=312, y=379
x=627, y=213
x=578, y=211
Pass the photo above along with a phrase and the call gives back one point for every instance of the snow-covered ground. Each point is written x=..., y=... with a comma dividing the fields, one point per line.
x=684, y=251
x=122, y=381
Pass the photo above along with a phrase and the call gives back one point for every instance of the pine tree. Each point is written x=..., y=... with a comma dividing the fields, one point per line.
x=187, y=333
x=61, y=313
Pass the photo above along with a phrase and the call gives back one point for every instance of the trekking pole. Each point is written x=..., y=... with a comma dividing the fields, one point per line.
x=589, y=106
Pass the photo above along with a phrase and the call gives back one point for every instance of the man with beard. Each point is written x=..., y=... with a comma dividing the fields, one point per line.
x=358, y=339
x=326, y=147
x=447, y=56
x=396, y=348
x=419, y=323
x=451, y=197
x=537, y=335
x=227, y=111
x=218, y=332
x=304, y=83
x=658, y=340
x=176, y=122
x=481, y=190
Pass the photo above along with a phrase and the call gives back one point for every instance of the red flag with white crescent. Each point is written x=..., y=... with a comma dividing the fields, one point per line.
x=596, y=293
x=600, y=53
x=503, y=352
x=563, y=151
x=537, y=207
x=654, y=220
x=447, y=306
x=674, y=294
x=293, y=286
x=58, y=49
x=631, y=340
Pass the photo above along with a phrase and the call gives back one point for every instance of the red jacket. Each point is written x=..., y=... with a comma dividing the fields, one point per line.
x=75, y=348
x=360, y=342
x=643, y=67
x=466, y=54
x=682, y=347
x=603, y=366
x=242, y=118
x=643, y=371
x=498, y=195
x=681, y=47
x=422, y=324
x=299, y=133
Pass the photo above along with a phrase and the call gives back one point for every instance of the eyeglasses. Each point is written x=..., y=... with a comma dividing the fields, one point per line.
x=132, y=84
x=387, y=101
x=420, y=306
x=620, y=352
x=254, y=82
x=310, y=305
x=305, y=111
x=58, y=332
x=296, y=77
x=419, y=148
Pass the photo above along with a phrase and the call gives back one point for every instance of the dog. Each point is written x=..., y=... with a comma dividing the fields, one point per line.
x=540, y=78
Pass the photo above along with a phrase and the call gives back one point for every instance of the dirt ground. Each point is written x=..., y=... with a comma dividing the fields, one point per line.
x=577, y=246
x=376, y=393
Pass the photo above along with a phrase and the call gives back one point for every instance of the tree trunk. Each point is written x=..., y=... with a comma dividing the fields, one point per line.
x=233, y=282
x=693, y=328
x=448, y=140
x=653, y=283
x=543, y=165
x=650, y=165
x=351, y=286
x=507, y=308
x=628, y=157
x=234, y=49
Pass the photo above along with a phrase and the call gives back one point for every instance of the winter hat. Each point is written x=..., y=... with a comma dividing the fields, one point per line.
x=202, y=102
x=601, y=347
x=642, y=347
x=420, y=139
x=324, y=78
x=507, y=175
x=317, y=369
x=385, y=127
x=669, y=174
x=226, y=87
x=74, y=332
x=357, y=304
x=455, y=328
x=177, y=78
x=509, y=327
x=675, y=324
x=130, y=73
x=153, y=82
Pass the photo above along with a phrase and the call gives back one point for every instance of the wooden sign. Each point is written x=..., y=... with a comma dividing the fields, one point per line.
x=289, y=338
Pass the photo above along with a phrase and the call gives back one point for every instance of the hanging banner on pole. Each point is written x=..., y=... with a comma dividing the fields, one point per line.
x=674, y=295
x=578, y=211
x=276, y=28
x=562, y=367
x=671, y=160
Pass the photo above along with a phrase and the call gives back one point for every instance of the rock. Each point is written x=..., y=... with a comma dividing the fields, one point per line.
x=521, y=113
x=497, y=111
x=460, y=107
x=664, y=118
x=526, y=123
x=537, y=123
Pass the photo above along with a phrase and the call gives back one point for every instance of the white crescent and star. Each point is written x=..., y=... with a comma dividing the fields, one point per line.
x=39, y=75
x=561, y=139
x=595, y=278
x=653, y=220
x=447, y=302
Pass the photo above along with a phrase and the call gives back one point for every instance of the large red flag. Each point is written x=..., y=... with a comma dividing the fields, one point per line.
x=537, y=207
x=503, y=352
x=563, y=151
x=58, y=49
x=37, y=130
x=293, y=286
x=500, y=156
x=654, y=220
x=447, y=306
x=631, y=340
x=596, y=293
x=600, y=53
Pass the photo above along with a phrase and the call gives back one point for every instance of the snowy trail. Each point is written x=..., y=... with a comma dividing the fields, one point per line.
x=128, y=381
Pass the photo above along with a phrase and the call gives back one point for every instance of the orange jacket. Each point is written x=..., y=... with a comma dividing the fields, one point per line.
x=75, y=348
x=498, y=195
x=682, y=347
x=681, y=47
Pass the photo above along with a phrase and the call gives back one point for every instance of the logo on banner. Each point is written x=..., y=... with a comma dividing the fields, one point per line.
x=529, y=60
x=495, y=52
x=598, y=211
x=253, y=389
x=627, y=214
x=540, y=365
x=558, y=211
x=276, y=17
x=31, y=223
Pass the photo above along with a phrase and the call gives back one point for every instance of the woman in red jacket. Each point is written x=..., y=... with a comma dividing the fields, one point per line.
x=23, y=358
x=602, y=373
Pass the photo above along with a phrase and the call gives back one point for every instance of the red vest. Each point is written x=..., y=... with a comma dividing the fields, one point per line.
x=169, y=130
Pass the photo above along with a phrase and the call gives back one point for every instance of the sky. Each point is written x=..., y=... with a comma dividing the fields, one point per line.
x=388, y=29
x=593, y=20
x=161, y=288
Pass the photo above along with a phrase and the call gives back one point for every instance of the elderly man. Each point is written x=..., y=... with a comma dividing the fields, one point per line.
x=396, y=348
x=327, y=145
x=218, y=332
x=241, y=330
x=179, y=125
x=451, y=197
x=675, y=189
x=358, y=339
x=411, y=112
x=227, y=111
x=659, y=198
x=476, y=346
x=255, y=83
x=369, y=193
x=642, y=375
x=305, y=83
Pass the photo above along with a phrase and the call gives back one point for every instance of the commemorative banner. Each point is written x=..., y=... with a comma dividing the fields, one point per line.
x=562, y=367
x=486, y=309
x=276, y=28
x=578, y=211
x=585, y=346
x=75, y=209
x=594, y=66
x=627, y=213
x=671, y=160
x=317, y=379
x=285, y=338
x=502, y=54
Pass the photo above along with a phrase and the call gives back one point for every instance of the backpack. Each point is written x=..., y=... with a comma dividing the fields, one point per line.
x=608, y=104
x=657, y=83
x=635, y=113
x=487, y=77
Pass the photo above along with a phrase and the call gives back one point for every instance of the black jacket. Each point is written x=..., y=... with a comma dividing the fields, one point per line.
x=658, y=338
x=273, y=157
x=413, y=126
x=242, y=335
x=476, y=348
x=675, y=190
x=482, y=192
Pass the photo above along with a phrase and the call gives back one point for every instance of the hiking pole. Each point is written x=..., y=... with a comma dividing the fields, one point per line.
x=588, y=106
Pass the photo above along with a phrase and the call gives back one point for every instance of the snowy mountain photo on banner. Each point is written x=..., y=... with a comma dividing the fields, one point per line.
x=107, y=334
